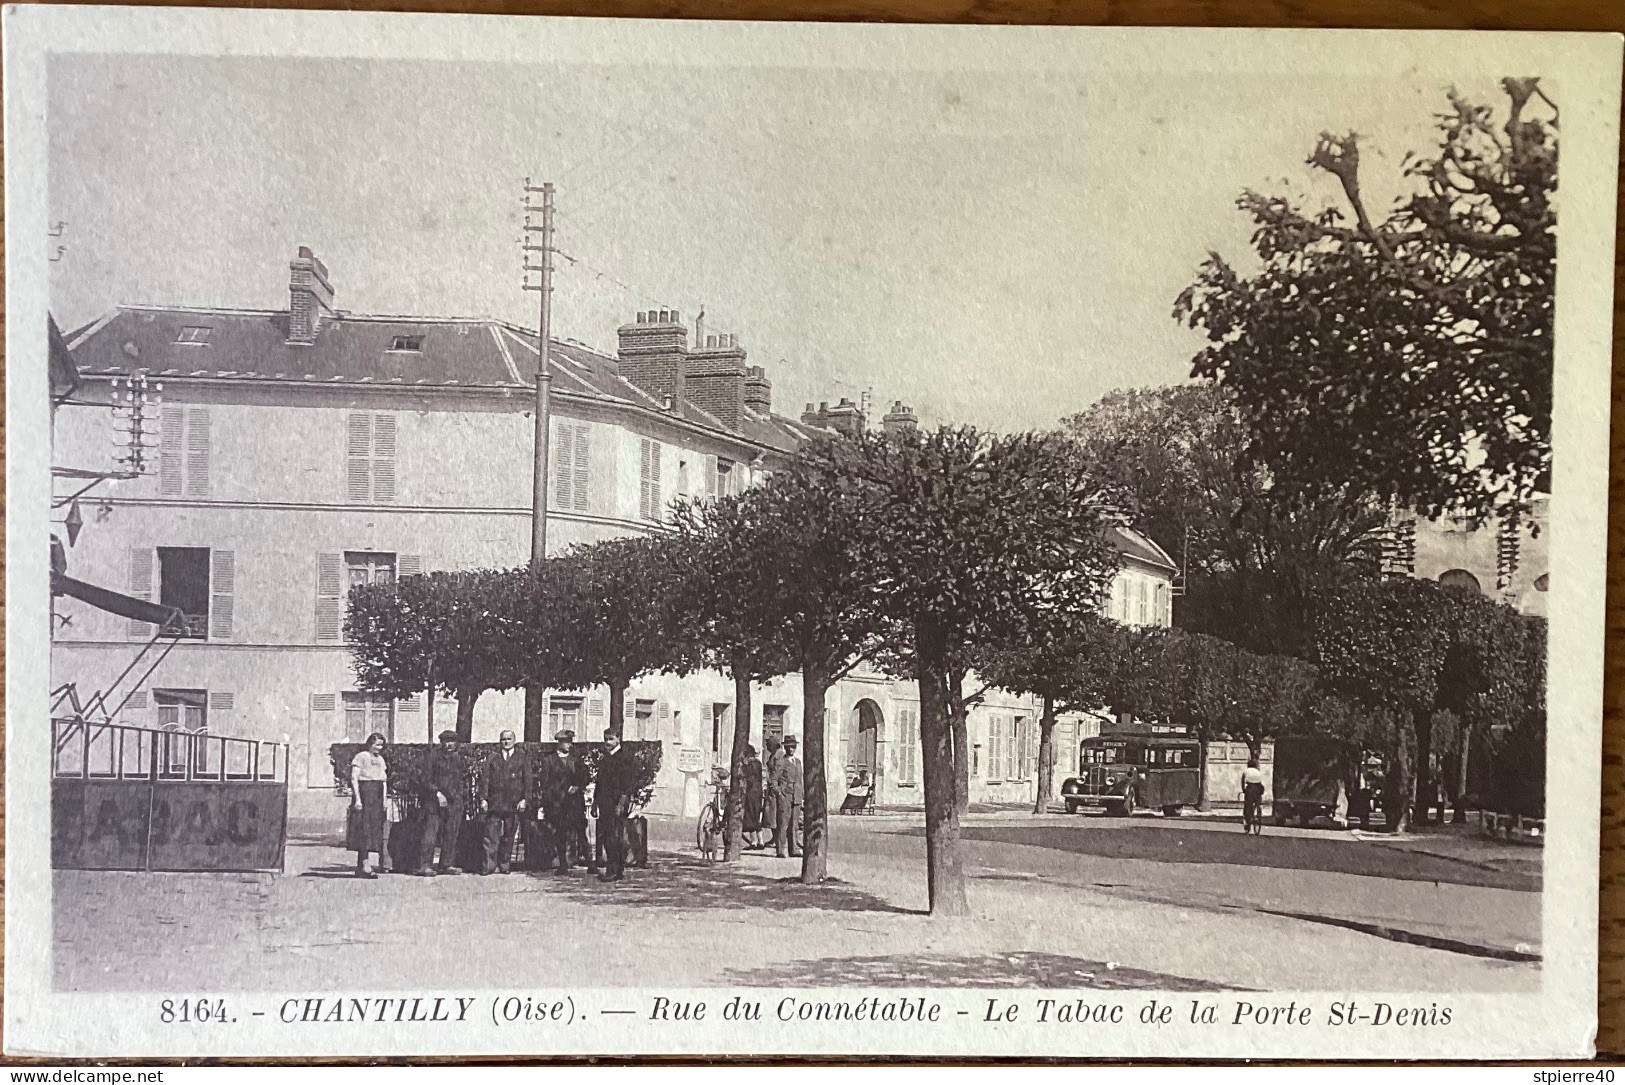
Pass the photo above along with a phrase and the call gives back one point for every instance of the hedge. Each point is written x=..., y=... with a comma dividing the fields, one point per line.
x=406, y=761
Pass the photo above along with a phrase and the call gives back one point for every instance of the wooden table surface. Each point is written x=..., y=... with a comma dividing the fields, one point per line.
x=1587, y=15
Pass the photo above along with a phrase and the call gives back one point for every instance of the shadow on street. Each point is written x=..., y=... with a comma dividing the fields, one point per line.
x=681, y=881
x=1162, y=843
x=1036, y=970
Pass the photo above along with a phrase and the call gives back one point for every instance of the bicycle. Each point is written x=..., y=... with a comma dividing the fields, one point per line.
x=1252, y=814
x=715, y=812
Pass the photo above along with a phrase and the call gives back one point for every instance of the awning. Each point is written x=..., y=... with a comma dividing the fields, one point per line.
x=125, y=606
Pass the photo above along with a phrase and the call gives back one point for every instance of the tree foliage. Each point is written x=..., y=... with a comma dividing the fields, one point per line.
x=1257, y=554
x=969, y=537
x=1408, y=355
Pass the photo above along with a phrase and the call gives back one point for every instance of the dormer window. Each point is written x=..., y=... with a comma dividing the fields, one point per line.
x=406, y=342
x=195, y=335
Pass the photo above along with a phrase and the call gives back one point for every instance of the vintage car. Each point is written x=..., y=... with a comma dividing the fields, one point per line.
x=1121, y=773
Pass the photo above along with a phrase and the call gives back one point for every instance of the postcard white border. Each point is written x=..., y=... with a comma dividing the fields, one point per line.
x=1558, y=1022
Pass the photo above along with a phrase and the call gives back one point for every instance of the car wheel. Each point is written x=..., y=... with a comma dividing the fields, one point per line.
x=1126, y=807
x=1171, y=811
x=1072, y=808
x=1282, y=814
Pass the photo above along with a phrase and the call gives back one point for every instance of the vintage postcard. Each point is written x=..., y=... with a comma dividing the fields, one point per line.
x=556, y=537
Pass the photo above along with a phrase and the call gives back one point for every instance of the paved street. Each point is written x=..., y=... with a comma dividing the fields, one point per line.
x=1068, y=902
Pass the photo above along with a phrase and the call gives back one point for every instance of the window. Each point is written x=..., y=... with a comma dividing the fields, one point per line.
x=406, y=342
x=1020, y=730
x=195, y=580
x=908, y=742
x=370, y=479
x=719, y=727
x=995, y=747
x=1118, y=610
x=650, y=504
x=564, y=714
x=365, y=714
x=183, y=452
x=722, y=477
x=183, y=583
x=336, y=574
x=194, y=335
x=643, y=716
x=182, y=710
x=570, y=474
x=773, y=721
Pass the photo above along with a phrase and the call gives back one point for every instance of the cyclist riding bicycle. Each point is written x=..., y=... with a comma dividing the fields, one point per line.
x=1252, y=794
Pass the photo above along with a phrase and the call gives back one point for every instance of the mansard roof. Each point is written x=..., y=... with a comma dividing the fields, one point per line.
x=1138, y=547
x=351, y=349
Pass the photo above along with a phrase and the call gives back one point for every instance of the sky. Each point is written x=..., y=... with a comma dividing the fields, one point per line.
x=992, y=248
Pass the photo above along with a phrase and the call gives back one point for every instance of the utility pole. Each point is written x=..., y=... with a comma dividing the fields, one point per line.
x=544, y=372
x=535, y=710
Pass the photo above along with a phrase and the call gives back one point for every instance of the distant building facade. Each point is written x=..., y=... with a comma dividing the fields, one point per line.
x=307, y=450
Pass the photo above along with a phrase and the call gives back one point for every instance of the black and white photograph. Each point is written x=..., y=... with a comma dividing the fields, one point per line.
x=573, y=536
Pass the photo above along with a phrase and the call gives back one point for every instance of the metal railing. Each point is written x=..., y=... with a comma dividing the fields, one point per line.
x=87, y=750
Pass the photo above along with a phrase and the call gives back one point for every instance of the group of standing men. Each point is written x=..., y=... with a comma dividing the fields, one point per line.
x=509, y=783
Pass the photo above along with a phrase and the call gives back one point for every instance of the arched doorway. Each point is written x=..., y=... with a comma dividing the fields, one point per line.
x=860, y=740
x=1460, y=578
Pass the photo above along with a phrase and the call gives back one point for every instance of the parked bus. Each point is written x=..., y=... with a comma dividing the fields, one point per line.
x=1122, y=773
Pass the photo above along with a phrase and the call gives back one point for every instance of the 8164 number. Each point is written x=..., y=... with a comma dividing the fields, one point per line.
x=186, y=1011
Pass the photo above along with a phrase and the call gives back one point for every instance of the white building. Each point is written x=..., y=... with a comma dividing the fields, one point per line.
x=310, y=449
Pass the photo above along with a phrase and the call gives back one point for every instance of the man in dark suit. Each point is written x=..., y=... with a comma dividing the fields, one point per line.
x=788, y=795
x=444, y=795
x=612, y=803
x=504, y=793
x=562, y=785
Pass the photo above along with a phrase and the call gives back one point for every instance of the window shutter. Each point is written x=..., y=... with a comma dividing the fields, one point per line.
x=222, y=585
x=141, y=588
x=329, y=597
x=582, y=474
x=713, y=478
x=360, y=457
x=323, y=722
x=645, y=500
x=171, y=437
x=595, y=707
x=657, y=505
x=563, y=476
x=197, y=452
x=407, y=704
x=408, y=565
x=383, y=459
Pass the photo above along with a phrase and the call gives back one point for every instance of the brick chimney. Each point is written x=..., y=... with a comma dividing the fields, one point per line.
x=845, y=417
x=899, y=420
x=716, y=378
x=758, y=390
x=310, y=298
x=653, y=354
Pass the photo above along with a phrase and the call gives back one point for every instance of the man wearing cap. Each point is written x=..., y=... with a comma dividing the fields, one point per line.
x=612, y=803
x=563, y=784
x=787, y=800
x=443, y=794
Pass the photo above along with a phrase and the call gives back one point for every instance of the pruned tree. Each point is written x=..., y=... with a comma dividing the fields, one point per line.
x=1068, y=662
x=1408, y=355
x=960, y=528
x=618, y=616
x=726, y=554
x=459, y=632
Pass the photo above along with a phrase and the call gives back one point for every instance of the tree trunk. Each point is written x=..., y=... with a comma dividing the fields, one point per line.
x=1202, y=802
x=535, y=712
x=1397, y=788
x=1046, y=757
x=617, y=707
x=429, y=707
x=815, y=798
x=465, y=713
x=959, y=718
x=1422, y=809
x=1459, y=816
x=733, y=825
x=945, y=875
